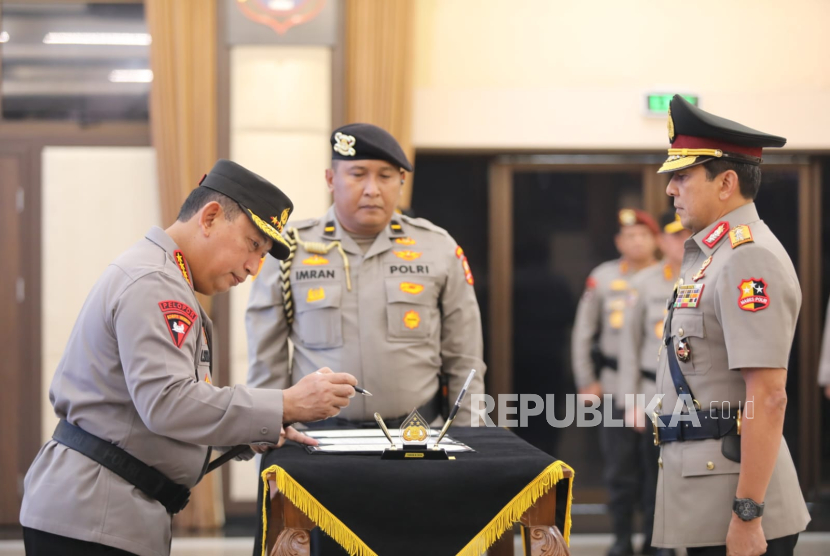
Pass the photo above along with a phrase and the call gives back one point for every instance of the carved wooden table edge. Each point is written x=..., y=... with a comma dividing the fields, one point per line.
x=289, y=528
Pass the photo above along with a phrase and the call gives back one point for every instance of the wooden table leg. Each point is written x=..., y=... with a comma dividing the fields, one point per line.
x=541, y=535
x=289, y=530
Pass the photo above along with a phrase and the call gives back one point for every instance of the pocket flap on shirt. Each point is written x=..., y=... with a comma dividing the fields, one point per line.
x=309, y=298
x=412, y=290
x=692, y=324
x=707, y=459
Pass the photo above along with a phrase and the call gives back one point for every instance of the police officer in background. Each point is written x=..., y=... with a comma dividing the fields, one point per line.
x=727, y=482
x=639, y=344
x=385, y=297
x=824, y=362
x=594, y=349
x=133, y=388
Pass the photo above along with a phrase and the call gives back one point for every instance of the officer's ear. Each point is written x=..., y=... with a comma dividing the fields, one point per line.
x=728, y=185
x=208, y=216
x=330, y=177
x=403, y=176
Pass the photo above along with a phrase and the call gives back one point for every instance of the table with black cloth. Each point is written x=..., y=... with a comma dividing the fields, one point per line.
x=416, y=507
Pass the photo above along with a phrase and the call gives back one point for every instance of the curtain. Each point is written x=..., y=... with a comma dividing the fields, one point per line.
x=183, y=114
x=379, y=69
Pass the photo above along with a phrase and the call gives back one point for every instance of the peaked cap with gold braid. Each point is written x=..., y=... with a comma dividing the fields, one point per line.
x=697, y=137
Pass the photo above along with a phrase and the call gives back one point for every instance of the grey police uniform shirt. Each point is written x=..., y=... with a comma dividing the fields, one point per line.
x=136, y=373
x=824, y=362
x=410, y=315
x=747, y=304
x=642, y=332
x=600, y=313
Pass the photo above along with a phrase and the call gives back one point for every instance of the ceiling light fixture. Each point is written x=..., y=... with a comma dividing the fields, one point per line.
x=131, y=76
x=100, y=39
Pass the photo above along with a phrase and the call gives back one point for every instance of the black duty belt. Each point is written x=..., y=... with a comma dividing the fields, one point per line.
x=429, y=411
x=173, y=496
x=608, y=362
x=712, y=425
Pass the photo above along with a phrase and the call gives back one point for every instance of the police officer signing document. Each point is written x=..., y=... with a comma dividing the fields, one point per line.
x=385, y=297
x=133, y=389
x=727, y=477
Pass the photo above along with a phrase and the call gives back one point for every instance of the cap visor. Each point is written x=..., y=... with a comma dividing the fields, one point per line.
x=673, y=164
x=673, y=227
x=280, y=249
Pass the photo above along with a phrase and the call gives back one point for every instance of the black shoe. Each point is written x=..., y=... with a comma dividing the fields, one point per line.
x=621, y=548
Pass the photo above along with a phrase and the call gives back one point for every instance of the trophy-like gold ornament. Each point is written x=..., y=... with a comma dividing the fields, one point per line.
x=414, y=434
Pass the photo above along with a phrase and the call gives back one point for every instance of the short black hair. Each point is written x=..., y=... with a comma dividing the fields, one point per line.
x=201, y=196
x=749, y=175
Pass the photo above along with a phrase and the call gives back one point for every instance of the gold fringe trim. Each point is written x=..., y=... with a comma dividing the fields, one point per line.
x=514, y=510
x=315, y=511
x=503, y=521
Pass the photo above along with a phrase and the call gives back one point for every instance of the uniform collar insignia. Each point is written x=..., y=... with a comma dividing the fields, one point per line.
x=716, y=234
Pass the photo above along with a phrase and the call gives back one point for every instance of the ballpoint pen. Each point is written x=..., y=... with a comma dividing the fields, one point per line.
x=379, y=419
x=455, y=409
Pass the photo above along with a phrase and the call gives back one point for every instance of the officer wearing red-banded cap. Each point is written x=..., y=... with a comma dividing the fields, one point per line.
x=727, y=341
x=594, y=349
x=134, y=389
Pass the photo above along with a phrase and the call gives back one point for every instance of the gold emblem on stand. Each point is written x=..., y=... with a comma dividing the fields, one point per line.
x=415, y=430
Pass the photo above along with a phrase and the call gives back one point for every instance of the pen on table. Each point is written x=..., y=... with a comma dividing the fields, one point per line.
x=455, y=408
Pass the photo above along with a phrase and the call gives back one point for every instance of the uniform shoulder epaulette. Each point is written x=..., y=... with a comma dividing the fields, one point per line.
x=424, y=224
x=303, y=224
x=739, y=235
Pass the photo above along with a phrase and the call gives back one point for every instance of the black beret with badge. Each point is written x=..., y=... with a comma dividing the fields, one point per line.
x=367, y=142
x=697, y=137
x=261, y=201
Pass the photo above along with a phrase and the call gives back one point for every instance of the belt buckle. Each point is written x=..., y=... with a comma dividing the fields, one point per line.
x=656, y=429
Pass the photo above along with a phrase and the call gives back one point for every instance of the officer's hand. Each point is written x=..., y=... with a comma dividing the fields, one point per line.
x=593, y=389
x=745, y=538
x=827, y=392
x=286, y=433
x=320, y=395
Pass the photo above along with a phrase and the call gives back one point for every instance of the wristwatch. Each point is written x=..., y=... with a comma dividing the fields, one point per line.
x=747, y=508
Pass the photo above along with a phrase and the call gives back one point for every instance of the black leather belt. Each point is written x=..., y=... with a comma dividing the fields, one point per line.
x=608, y=362
x=711, y=426
x=173, y=496
x=429, y=411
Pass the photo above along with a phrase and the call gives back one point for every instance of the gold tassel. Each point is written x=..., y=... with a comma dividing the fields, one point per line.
x=315, y=511
x=514, y=510
x=503, y=521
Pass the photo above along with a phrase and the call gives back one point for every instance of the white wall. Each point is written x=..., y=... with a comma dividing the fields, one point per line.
x=550, y=74
x=280, y=128
x=97, y=202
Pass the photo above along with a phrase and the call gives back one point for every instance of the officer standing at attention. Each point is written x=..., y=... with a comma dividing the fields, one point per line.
x=729, y=331
x=639, y=344
x=382, y=296
x=595, y=344
x=824, y=362
x=133, y=389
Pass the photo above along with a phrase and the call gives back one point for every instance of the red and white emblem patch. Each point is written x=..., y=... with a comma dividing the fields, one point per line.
x=717, y=234
x=753, y=295
x=179, y=318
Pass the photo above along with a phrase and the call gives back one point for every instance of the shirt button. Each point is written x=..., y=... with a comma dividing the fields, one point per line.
x=263, y=430
x=660, y=462
x=680, y=281
x=681, y=332
x=710, y=465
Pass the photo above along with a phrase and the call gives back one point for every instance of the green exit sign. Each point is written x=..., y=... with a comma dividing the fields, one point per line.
x=659, y=103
